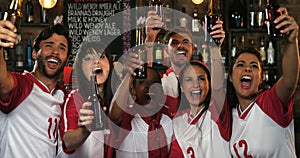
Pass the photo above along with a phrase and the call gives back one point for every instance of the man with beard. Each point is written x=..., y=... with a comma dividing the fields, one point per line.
x=31, y=102
x=179, y=46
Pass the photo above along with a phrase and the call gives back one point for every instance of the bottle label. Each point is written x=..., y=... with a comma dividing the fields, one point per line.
x=158, y=54
x=195, y=25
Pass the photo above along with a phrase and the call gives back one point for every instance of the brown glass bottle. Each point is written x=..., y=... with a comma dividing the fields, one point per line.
x=141, y=73
x=210, y=20
x=96, y=101
x=271, y=14
x=14, y=13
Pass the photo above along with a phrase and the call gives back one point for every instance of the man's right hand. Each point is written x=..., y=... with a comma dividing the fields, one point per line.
x=8, y=36
x=152, y=21
x=131, y=62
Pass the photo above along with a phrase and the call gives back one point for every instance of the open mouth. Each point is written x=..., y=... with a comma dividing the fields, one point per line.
x=52, y=62
x=246, y=81
x=196, y=93
x=181, y=52
x=97, y=71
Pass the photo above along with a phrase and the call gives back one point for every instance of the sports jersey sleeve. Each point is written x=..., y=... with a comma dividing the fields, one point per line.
x=270, y=103
x=222, y=119
x=21, y=89
x=175, y=150
x=69, y=118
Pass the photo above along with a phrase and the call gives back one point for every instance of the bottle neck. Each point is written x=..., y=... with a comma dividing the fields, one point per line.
x=211, y=10
x=12, y=4
x=140, y=35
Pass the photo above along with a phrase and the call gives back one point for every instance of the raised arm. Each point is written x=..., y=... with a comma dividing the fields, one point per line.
x=287, y=83
x=120, y=100
x=7, y=32
x=217, y=68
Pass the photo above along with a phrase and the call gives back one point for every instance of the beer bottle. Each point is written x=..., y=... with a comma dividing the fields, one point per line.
x=210, y=20
x=14, y=13
x=96, y=101
x=271, y=14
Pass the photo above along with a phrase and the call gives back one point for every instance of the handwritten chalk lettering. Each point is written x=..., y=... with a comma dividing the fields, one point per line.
x=79, y=12
x=113, y=6
x=90, y=6
x=92, y=38
x=112, y=32
x=74, y=19
x=75, y=32
x=75, y=6
x=76, y=44
x=95, y=32
x=95, y=19
x=75, y=25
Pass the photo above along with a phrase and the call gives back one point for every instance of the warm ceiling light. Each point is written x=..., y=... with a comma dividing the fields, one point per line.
x=197, y=1
x=48, y=4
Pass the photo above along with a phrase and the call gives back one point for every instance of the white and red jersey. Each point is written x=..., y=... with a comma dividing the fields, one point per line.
x=93, y=146
x=264, y=129
x=170, y=88
x=29, y=119
x=201, y=136
x=135, y=143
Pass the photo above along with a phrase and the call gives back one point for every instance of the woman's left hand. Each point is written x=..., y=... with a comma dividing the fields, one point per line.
x=289, y=25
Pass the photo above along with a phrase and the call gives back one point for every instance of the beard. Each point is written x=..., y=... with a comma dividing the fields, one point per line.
x=42, y=67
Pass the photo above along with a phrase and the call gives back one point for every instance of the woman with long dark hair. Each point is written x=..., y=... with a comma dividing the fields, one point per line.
x=78, y=140
x=263, y=124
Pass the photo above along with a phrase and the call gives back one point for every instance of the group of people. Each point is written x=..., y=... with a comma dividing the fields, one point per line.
x=189, y=111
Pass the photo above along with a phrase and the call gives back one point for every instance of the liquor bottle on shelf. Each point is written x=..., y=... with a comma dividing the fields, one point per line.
x=270, y=15
x=7, y=56
x=237, y=18
x=251, y=14
x=158, y=52
x=196, y=54
x=29, y=11
x=259, y=20
x=210, y=20
x=233, y=48
x=195, y=21
x=19, y=57
x=243, y=41
x=168, y=16
x=96, y=101
x=29, y=60
x=14, y=13
x=266, y=79
x=183, y=20
x=141, y=72
x=205, y=53
x=44, y=17
x=262, y=50
x=271, y=54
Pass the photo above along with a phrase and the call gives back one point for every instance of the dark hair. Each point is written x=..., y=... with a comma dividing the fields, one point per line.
x=150, y=68
x=82, y=82
x=231, y=95
x=174, y=31
x=48, y=32
x=182, y=98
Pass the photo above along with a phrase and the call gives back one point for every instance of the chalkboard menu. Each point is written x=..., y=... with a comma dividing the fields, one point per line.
x=90, y=20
